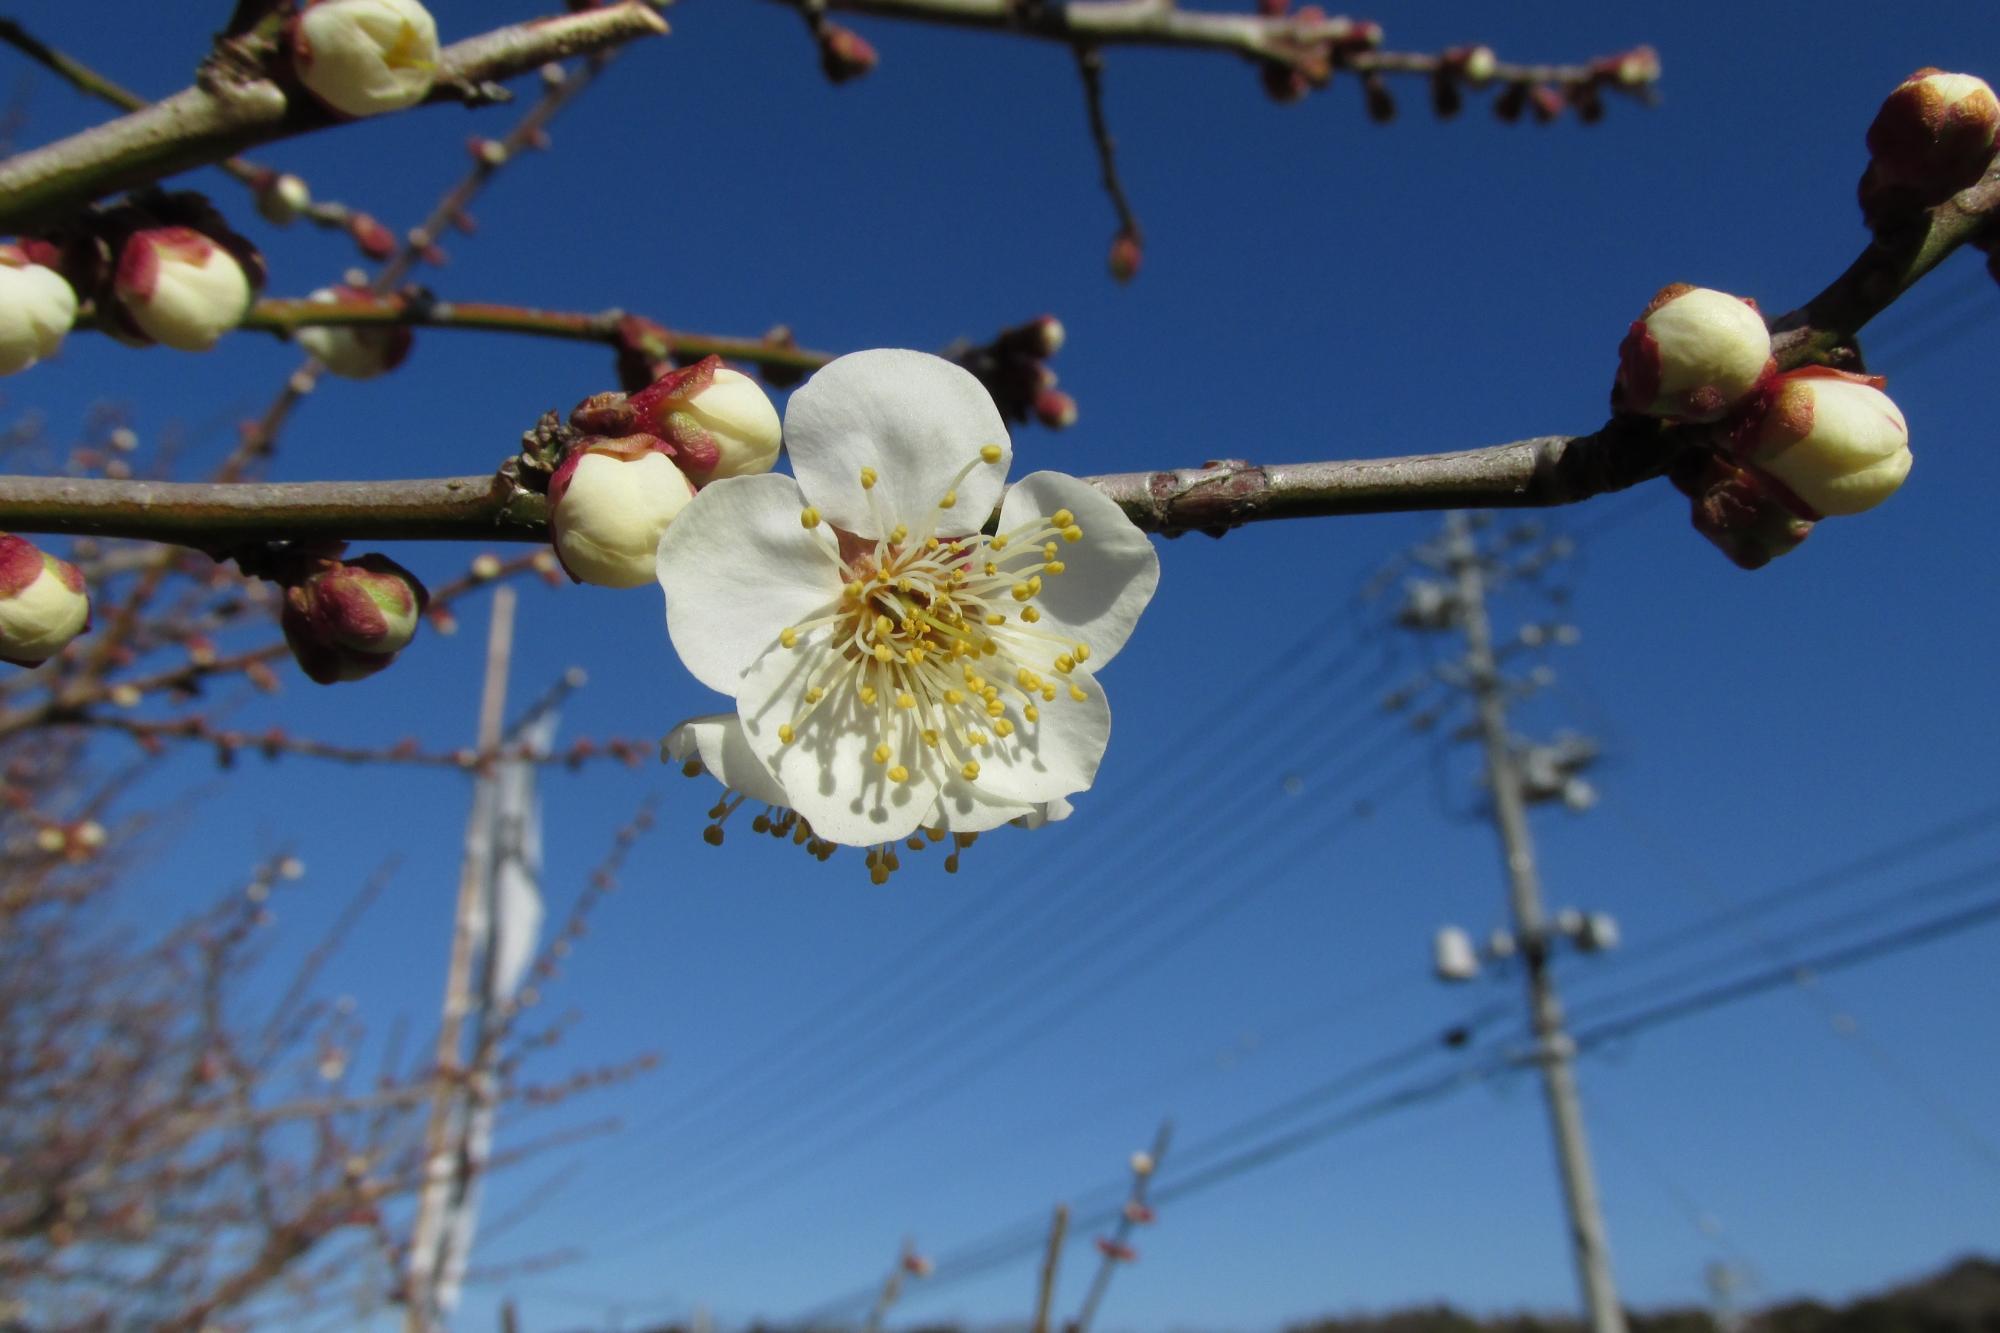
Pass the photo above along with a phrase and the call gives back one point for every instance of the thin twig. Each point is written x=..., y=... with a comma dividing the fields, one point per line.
x=1090, y=65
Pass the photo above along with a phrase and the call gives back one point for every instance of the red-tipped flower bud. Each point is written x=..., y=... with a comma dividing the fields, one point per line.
x=364, y=57
x=1834, y=441
x=1693, y=355
x=1116, y=1250
x=177, y=286
x=349, y=618
x=1935, y=132
x=43, y=604
x=1055, y=409
x=1125, y=257
x=37, y=307
x=719, y=422
x=355, y=353
x=371, y=238
x=844, y=54
x=609, y=504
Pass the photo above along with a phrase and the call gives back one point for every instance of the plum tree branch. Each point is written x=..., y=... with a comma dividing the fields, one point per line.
x=202, y=125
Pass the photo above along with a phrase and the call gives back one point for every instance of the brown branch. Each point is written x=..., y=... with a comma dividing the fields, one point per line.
x=1090, y=66
x=197, y=126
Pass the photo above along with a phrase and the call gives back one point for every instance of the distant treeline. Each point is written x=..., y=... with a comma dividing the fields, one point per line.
x=1963, y=1298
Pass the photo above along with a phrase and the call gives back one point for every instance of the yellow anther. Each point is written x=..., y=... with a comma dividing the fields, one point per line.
x=1049, y=550
x=1076, y=693
x=809, y=518
x=899, y=774
x=999, y=542
x=996, y=617
x=1004, y=727
x=1056, y=567
x=990, y=453
x=785, y=733
x=1035, y=582
x=971, y=770
x=994, y=708
x=898, y=535
x=884, y=625
x=991, y=568
x=868, y=695
x=934, y=835
x=932, y=543
x=1082, y=653
x=990, y=693
x=882, y=753
x=991, y=648
x=953, y=697
x=930, y=737
x=884, y=653
x=878, y=874
x=854, y=590
x=903, y=583
x=1023, y=591
x=1062, y=518
x=883, y=576
x=868, y=479
x=1032, y=713
x=1048, y=694
x=1030, y=614
x=1072, y=533
x=815, y=694
x=950, y=499
x=906, y=700
x=913, y=654
x=1065, y=664
x=788, y=637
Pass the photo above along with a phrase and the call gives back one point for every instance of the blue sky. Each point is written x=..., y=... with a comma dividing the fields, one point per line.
x=1315, y=287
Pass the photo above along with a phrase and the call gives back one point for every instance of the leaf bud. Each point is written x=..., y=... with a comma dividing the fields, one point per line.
x=610, y=502
x=354, y=352
x=717, y=422
x=1935, y=133
x=364, y=57
x=1694, y=354
x=1834, y=441
x=177, y=286
x=37, y=307
x=43, y=602
x=346, y=619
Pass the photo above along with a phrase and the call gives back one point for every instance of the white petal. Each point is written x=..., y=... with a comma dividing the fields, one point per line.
x=717, y=740
x=1108, y=577
x=961, y=807
x=1048, y=812
x=1055, y=756
x=917, y=420
x=737, y=568
x=828, y=769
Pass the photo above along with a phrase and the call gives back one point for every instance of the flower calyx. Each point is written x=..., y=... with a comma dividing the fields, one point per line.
x=719, y=422
x=347, y=618
x=43, y=602
x=610, y=501
x=365, y=57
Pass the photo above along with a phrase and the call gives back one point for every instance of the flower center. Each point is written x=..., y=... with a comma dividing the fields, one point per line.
x=939, y=638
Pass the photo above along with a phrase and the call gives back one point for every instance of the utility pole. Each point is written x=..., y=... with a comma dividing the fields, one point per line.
x=1460, y=601
x=1554, y=1051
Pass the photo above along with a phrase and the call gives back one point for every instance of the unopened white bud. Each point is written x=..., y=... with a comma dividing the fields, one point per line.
x=1838, y=444
x=1693, y=355
x=364, y=57
x=43, y=603
x=181, y=288
x=37, y=308
x=719, y=421
x=609, y=504
x=350, y=351
x=283, y=199
x=1142, y=1164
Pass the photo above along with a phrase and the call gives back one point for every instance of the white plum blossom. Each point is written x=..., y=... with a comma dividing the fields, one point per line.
x=364, y=57
x=894, y=668
x=180, y=288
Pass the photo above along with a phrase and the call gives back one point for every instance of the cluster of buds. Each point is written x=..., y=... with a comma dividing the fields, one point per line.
x=354, y=353
x=43, y=603
x=636, y=461
x=1307, y=45
x=1014, y=368
x=1934, y=136
x=1631, y=73
x=365, y=57
x=1785, y=450
x=37, y=307
x=346, y=619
